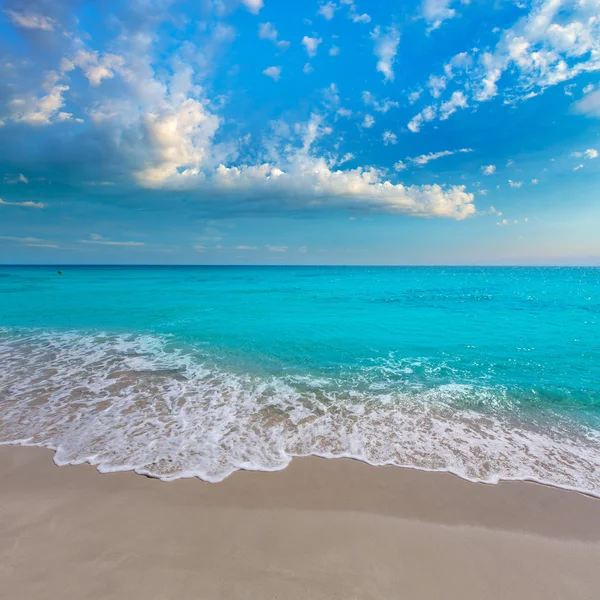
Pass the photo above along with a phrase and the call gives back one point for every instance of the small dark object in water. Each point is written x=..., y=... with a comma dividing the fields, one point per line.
x=60, y=272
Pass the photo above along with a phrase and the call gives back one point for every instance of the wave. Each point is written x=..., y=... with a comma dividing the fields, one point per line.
x=143, y=403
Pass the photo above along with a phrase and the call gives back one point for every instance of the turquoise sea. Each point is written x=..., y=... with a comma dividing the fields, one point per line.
x=490, y=373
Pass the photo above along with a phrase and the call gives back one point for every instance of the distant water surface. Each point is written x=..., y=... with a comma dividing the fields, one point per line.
x=489, y=373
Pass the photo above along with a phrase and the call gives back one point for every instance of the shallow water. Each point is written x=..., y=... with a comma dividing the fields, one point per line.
x=490, y=373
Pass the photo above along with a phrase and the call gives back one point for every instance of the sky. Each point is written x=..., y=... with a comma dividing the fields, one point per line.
x=273, y=132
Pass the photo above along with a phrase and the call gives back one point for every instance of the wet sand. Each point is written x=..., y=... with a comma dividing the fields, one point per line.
x=323, y=529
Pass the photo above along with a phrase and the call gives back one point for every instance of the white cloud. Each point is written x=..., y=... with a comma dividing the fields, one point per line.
x=515, y=184
x=483, y=192
x=436, y=85
x=414, y=96
x=436, y=12
x=181, y=138
x=380, y=106
x=459, y=63
x=457, y=100
x=31, y=20
x=277, y=248
x=273, y=72
x=327, y=11
x=368, y=121
x=253, y=6
x=423, y=159
x=386, y=48
x=246, y=248
x=400, y=166
x=588, y=88
x=26, y=204
x=307, y=69
x=589, y=105
x=427, y=114
x=389, y=138
x=95, y=67
x=488, y=169
x=554, y=43
x=163, y=129
x=44, y=109
x=302, y=174
x=588, y=154
x=334, y=51
x=266, y=31
x=578, y=167
x=535, y=181
x=98, y=239
x=344, y=112
x=503, y=223
x=353, y=13
x=311, y=45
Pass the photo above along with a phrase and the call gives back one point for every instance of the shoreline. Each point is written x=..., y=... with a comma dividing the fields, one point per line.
x=319, y=528
x=294, y=457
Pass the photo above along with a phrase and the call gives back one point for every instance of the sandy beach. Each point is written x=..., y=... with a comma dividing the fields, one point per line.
x=319, y=529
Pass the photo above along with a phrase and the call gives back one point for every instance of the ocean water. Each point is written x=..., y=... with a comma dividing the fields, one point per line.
x=489, y=373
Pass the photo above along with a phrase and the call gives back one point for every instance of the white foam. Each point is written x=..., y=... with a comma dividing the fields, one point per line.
x=125, y=402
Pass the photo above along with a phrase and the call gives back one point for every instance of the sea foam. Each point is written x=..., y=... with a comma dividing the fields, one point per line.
x=142, y=403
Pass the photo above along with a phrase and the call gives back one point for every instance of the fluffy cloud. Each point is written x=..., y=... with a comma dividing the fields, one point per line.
x=353, y=13
x=311, y=45
x=378, y=105
x=273, y=72
x=589, y=105
x=266, y=31
x=29, y=20
x=588, y=154
x=386, y=48
x=552, y=44
x=488, y=169
x=298, y=176
x=435, y=12
x=253, y=6
x=368, y=121
x=158, y=126
x=327, y=11
x=442, y=112
x=181, y=138
x=515, y=184
x=436, y=85
x=94, y=67
x=41, y=109
x=389, y=138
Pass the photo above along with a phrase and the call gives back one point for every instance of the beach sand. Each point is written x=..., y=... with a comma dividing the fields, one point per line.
x=321, y=529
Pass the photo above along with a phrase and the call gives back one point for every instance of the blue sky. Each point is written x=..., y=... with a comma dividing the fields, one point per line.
x=271, y=132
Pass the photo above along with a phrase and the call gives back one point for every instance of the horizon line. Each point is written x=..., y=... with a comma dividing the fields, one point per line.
x=279, y=266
